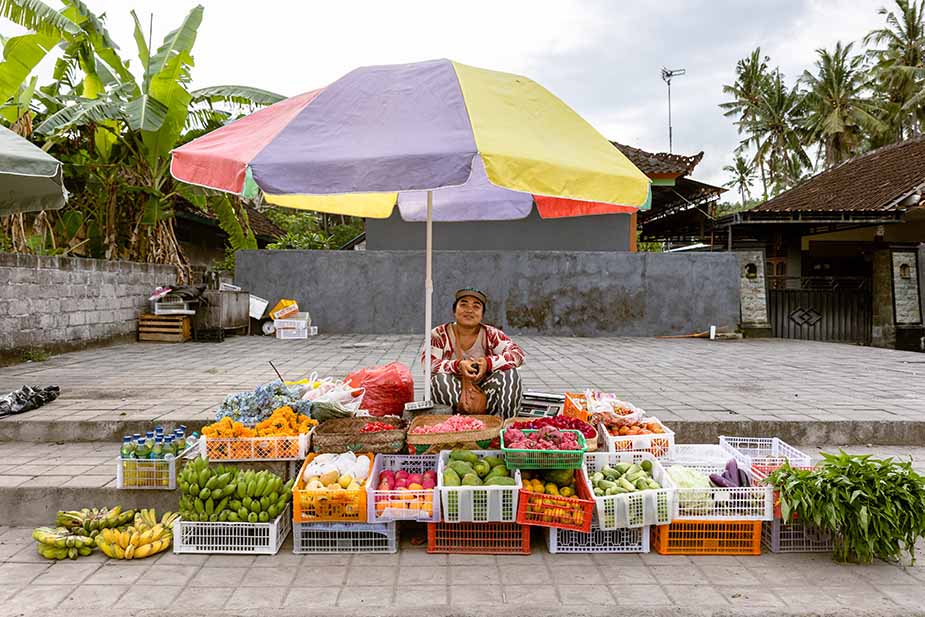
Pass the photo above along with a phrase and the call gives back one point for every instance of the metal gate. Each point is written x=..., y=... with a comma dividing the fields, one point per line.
x=834, y=309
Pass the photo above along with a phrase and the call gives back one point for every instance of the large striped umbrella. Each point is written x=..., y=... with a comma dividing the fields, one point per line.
x=442, y=140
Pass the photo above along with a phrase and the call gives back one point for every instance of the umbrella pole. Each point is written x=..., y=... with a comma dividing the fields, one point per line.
x=428, y=293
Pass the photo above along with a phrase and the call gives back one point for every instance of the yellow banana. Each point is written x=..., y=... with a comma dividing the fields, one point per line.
x=142, y=551
x=135, y=537
x=130, y=551
x=124, y=538
x=145, y=538
x=117, y=552
x=105, y=547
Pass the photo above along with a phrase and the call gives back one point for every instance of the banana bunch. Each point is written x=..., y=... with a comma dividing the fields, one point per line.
x=259, y=498
x=223, y=493
x=61, y=543
x=144, y=538
x=91, y=520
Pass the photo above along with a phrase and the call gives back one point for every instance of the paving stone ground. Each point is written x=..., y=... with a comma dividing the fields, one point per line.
x=689, y=379
x=451, y=584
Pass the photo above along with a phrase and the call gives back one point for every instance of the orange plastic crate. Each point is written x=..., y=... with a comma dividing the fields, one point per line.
x=324, y=505
x=708, y=538
x=478, y=538
x=541, y=510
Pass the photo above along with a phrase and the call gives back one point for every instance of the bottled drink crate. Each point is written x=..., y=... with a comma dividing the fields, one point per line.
x=478, y=538
x=708, y=538
x=232, y=538
x=345, y=538
x=598, y=540
x=149, y=474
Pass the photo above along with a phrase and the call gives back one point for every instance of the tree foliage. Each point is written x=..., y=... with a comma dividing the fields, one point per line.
x=847, y=103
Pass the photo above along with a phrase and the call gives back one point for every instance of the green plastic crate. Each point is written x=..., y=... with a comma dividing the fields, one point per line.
x=544, y=459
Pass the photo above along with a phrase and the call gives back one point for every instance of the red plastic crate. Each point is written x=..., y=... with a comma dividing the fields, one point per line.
x=708, y=538
x=542, y=510
x=478, y=538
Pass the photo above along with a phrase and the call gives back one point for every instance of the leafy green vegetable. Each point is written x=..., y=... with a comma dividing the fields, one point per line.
x=874, y=508
x=690, y=501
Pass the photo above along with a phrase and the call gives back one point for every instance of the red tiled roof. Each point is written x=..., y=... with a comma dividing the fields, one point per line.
x=660, y=163
x=871, y=182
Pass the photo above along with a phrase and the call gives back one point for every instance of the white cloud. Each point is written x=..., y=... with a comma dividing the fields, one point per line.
x=602, y=57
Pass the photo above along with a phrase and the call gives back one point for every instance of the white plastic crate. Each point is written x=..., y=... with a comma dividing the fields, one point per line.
x=649, y=507
x=478, y=504
x=385, y=506
x=278, y=448
x=345, y=538
x=746, y=503
x=147, y=474
x=795, y=537
x=703, y=453
x=658, y=445
x=257, y=306
x=232, y=538
x=292, y=333
x=765, y=454
x=300, y=321
x=634, y=540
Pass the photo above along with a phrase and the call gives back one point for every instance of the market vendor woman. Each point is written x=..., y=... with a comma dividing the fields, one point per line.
x=481, y=352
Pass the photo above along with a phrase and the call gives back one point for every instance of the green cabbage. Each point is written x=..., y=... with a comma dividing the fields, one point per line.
x=692, y=501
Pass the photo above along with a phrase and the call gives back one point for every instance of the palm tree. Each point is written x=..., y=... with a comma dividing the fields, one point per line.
x=837, y=114
x=775, y=125
x=899, y=64
x=751, y=77
x=743, y=174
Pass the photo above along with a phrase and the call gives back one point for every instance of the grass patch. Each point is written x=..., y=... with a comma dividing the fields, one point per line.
x=35, y=355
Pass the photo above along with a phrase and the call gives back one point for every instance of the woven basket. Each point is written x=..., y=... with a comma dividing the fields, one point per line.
x=343, y=435
x=433, y=443
x=591, y=441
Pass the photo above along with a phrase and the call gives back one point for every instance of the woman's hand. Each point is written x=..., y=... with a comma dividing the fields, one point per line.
x=482, y=367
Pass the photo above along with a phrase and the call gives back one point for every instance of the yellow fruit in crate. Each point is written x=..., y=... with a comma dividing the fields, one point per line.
x=330, y=478
x=354, y=486
x=334, y=486
x=345, y=480
x=315, y=485
x=415, y=487
x=312, y=479
x=567, y=491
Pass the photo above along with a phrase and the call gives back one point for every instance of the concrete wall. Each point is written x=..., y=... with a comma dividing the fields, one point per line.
x=556, y=293
x=60, y=303
x=609, y=232
x=753, y=294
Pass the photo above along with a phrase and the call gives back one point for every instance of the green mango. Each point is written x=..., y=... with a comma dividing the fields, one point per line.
x=470, y=479
x=461, y=468
x=467, y=456
x=482, y=469
x=451, y=478
x=494, y=461
x=500, y=470
x=500, y=481
x=560, y=477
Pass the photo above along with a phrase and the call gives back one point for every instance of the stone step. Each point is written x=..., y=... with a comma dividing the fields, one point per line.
x=850, y=432
x=38, y=479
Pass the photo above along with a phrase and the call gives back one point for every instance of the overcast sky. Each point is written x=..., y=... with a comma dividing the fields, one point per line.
x=602, y=57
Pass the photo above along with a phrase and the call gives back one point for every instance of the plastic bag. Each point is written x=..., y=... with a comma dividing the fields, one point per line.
x=26, y=399
x=330, y=391
x=387, y=387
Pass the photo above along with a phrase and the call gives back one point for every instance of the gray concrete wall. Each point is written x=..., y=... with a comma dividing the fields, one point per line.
x=60, y=303
x=753, y=291
x=555, y=293
x=609, y=232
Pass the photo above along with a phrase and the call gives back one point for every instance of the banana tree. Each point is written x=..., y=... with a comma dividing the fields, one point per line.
x=119, y=127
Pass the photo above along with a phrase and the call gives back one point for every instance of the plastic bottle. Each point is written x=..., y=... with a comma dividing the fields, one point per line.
x=141, y=448
x=157, y=452
x=127, y=454
x=149, y=440
x=192, y=440
x=158, y=431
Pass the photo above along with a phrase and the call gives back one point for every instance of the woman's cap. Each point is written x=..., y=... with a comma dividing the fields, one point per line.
x=473, y=292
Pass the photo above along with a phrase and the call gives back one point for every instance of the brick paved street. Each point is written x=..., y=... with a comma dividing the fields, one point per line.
x=756, y=379
x=453, y=584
